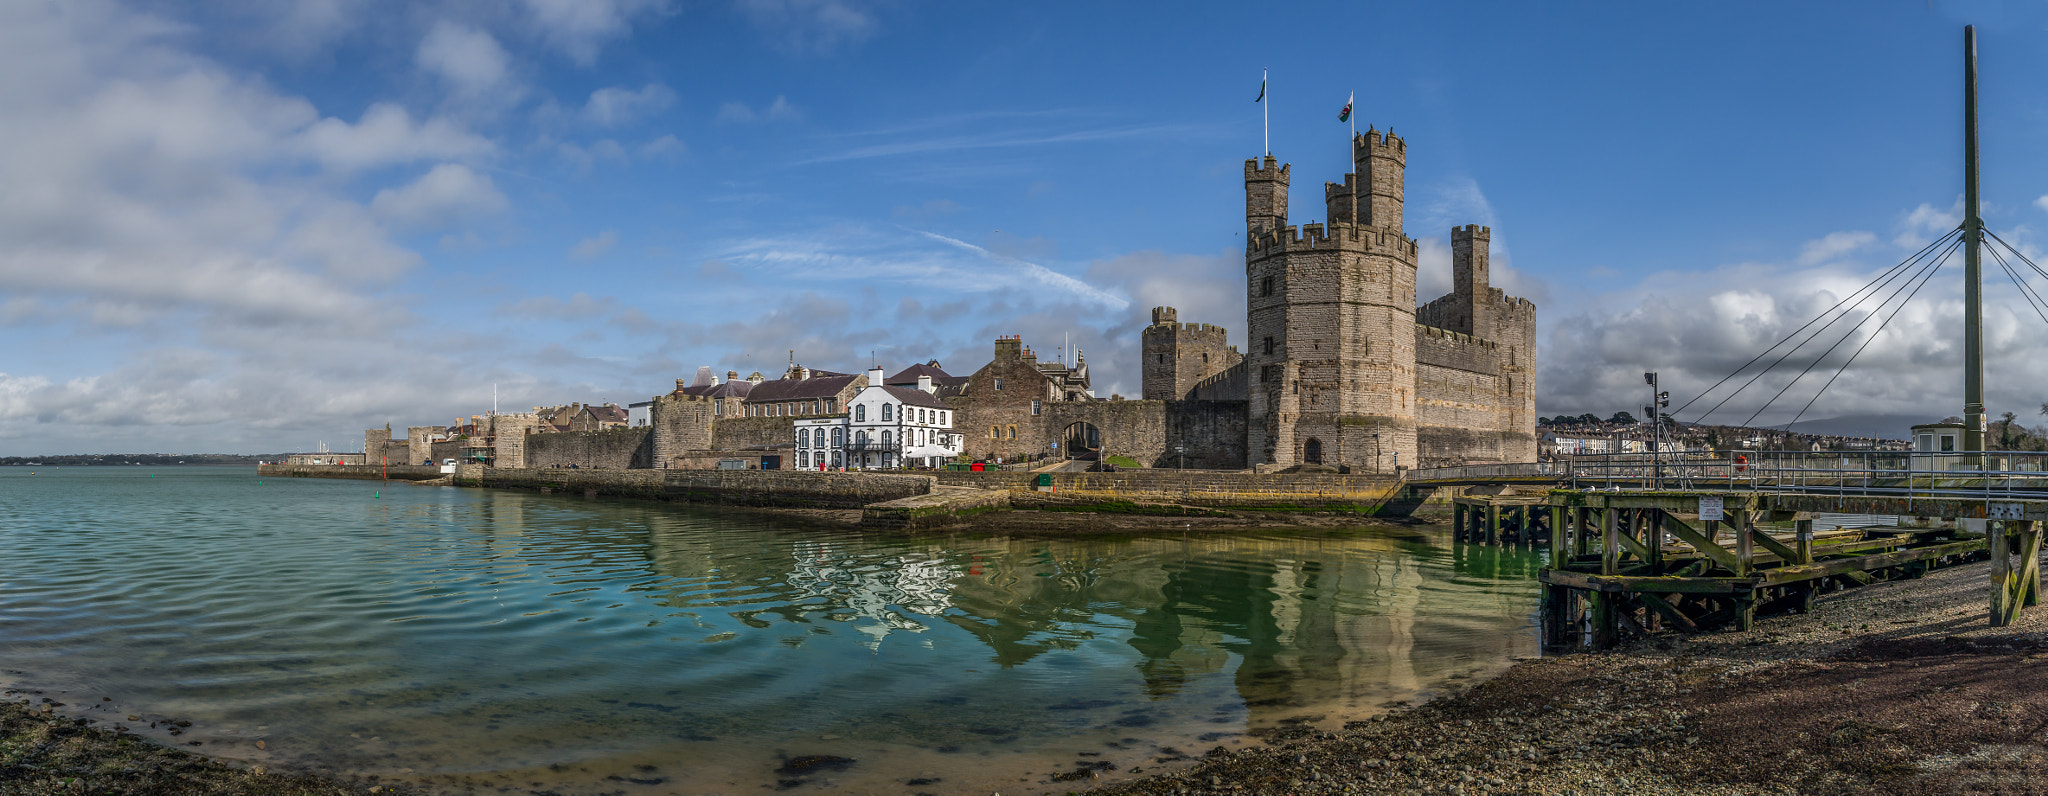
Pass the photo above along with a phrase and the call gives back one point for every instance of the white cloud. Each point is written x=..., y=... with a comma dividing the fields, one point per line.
x=1924, y=224
x=386, y=135
x=580, y=27
x=1834, y=245
x=449, y=194
x=475, y=67
x=667, y=146
x=595, y=247
x=740, y=112
x=611, y=107
x=811, y=25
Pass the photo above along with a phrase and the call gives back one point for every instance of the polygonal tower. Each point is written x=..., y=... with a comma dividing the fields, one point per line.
x=1330, y=326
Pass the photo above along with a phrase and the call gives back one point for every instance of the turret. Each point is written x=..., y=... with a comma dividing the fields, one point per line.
x=1265, y=197
x=1471, y=280
x=1383, y=163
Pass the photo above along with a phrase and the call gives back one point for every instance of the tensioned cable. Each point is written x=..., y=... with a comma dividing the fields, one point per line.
x=2016, y=253
x=1795, y=333
x=2026, y=292
x=1928, y=270
x=1873, y=338
x=1875, y=287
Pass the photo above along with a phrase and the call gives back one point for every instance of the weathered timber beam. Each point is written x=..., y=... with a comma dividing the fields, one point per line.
x=1700, y=542
x=1776, y=547
x=1944, y=507
x=1854, y=567
x=1670, y=612
x=1646, y=584
x=1630, y=545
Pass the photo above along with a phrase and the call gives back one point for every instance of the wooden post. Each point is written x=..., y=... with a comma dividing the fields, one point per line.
x=1656, y=541
x=1492, y=522
x=1582, y=530
x=1458, y=512
x=1803, y=537
x=2003, y=607
x=1745, y=551
x=1557, y=548
x=1610, y=541
x=2029, y=549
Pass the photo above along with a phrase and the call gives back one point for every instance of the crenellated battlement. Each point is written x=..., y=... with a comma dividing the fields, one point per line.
x=1459, y=338
x=1319, y=237
x=1373, y=142
x=1271, y=171
x=1471, y=232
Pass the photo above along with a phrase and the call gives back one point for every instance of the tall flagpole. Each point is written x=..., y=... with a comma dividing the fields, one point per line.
x=1266, y=107
x=1351, y=151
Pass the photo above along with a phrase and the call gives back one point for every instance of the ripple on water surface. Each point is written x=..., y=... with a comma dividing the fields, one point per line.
x=447, y=632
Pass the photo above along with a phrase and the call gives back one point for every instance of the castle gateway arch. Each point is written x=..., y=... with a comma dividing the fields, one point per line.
x=1082, y=440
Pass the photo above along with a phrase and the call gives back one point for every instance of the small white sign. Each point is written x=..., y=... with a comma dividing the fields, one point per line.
x=1710, y=509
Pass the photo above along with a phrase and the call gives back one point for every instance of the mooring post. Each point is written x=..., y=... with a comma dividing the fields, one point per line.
x=1492, y=522
x=1557, y=536
x=1803, y=531
x=1610, y=541
x=1656, y=542
x=1582, y=531
x=1745, y=551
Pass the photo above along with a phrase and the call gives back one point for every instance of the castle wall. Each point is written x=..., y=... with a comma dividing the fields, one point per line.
x=419, y=442
x=373, y=443
x=1178, y=358
x=508, y=438
x=679, y=423
x=747, y=433
x=616, y=449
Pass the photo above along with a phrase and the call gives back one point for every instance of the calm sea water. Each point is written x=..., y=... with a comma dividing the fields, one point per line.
x=500, y=640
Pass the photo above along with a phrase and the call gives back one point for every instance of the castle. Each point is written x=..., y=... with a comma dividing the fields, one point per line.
x=1343, y=368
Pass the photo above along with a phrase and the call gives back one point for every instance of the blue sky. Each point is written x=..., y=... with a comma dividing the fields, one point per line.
x=256, y=226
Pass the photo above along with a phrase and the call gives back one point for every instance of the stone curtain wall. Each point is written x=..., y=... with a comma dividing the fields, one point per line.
x=1212, y=431
x=741, y=433
x=679, y=423
x=1179, y=357
x=448, y=449
x=614, y=449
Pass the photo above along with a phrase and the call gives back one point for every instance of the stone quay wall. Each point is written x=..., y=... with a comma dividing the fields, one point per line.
x=362, y=472
x=792, y=488
x=589, y=483
x=1200, y=488
x=612, y=449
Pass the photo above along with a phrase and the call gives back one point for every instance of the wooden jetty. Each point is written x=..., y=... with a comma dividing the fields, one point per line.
x=1690, y=561
x=1507, y=518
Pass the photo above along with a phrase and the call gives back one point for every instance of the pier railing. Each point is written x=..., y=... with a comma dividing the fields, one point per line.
x=1991, y=474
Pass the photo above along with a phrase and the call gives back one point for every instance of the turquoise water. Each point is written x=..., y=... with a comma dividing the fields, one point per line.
x=499, y=640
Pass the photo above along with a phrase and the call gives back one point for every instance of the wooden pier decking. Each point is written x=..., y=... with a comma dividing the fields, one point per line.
x=1642, y=562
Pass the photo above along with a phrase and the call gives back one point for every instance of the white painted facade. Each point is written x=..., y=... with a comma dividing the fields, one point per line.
x=882, y=428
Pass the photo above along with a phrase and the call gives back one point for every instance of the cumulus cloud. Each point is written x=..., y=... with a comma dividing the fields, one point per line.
x=1833, y=246
x=595, y=247
x=1696, y=328
x=579, y=28
x=811, y=25
x=449, y=194
x=740, y=112
x=474, y=66
x=611, y=107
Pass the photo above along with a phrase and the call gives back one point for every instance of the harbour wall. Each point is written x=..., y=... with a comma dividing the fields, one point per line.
x=363, y=472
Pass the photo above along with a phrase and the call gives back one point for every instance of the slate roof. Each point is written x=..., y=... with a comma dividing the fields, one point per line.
x=732, y=388
x=914, y=396
x=908, y=378
x=799, y=389
x=606, y=414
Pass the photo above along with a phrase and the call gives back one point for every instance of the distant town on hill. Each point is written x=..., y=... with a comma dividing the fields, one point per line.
x=129, y=459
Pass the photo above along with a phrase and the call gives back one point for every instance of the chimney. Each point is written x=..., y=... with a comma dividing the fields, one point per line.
x=732, y=375
x=924, y=383
x=875, y=377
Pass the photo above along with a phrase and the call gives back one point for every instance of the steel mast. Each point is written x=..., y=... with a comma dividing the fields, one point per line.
x=1973, y=277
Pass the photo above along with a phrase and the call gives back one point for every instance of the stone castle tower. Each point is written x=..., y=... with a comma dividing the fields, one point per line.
x=1180, y=359
x=1340, y=370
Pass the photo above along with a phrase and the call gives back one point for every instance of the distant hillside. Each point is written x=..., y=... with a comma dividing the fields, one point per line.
x=129, y=459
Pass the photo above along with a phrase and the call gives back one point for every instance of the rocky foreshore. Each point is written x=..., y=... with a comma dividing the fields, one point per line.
x=1896, y=688
x=44, y=752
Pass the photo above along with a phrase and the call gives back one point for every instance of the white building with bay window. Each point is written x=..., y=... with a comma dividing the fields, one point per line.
x=884, y=427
